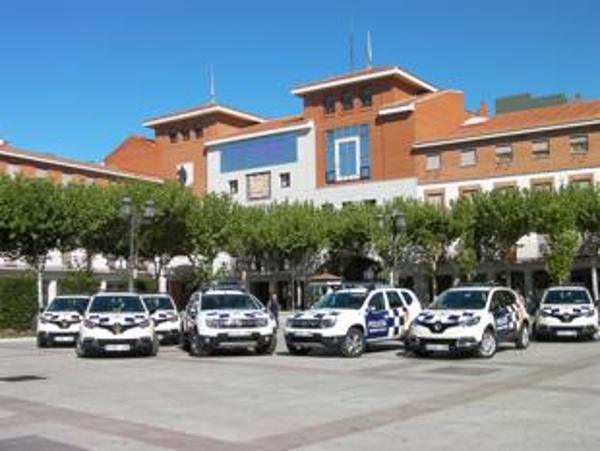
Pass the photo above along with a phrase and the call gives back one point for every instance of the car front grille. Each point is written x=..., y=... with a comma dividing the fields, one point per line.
x=306, y=323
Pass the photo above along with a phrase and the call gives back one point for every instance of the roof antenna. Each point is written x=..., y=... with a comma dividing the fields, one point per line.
x=351, y=44
x=369, y=51
x=213, y=91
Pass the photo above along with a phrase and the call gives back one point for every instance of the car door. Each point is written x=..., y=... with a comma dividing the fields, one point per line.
x=399, y=313
x=377, y=316
x=502, y=314
x=412, y=302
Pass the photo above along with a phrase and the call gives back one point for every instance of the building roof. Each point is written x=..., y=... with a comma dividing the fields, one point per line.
x=408, y=104
x=201, y=110
x=8, y=150
x=568, y=115
x=272, y=127
x=358, y=76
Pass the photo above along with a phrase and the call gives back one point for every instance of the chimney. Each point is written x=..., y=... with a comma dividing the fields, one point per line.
x=483, y=109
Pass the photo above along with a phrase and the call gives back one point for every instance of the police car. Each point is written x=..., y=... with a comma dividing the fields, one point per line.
x=227, y=317
x=474, y=318
x=59, y=322
x=566, y=311
x=165, y=317
x=117, y=323
x=349, y=319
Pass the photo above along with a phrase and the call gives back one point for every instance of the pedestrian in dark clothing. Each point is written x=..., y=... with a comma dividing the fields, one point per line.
x=273, y=307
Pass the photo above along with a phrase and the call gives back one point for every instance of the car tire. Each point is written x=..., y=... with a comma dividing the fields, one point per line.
x=185, y=342
x=41, y=342
x=80, y=350
x=267, y=348
x=197, y=348
x=523, y=339
x=154, y=349
x=420, y=352
x=353, y=344
x=488, y=345
x=296, y=350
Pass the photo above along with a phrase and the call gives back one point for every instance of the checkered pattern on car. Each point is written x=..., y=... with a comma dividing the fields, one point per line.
x=567, y=314
x=396, y=320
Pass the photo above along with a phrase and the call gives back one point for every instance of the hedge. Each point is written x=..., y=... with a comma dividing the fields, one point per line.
x=18, y=301
x=79, y=282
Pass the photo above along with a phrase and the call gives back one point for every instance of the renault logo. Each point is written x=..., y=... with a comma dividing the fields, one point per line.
x=65, y=324
x=117, y=329
x=437, y=327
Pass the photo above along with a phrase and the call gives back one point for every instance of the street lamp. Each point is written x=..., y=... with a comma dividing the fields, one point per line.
x=396, y=223
x=135, y=218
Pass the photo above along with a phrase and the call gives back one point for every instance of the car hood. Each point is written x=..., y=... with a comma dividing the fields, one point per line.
x=68, y=316
x=165, y=315
x=446, y=316
x=233, y=314
x=573, y=310
x=125, y=319
x=321, y=313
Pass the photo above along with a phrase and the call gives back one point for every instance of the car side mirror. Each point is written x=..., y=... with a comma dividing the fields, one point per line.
x=41, y=310
x=152, y=311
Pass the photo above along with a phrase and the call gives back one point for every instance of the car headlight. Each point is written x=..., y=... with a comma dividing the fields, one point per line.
x=262, y=322
x=145, y=323
x=89, y=324
x=544, y=313
x=590, y=313
x=472, y=321
x=43, y=320
x=288, y=322
x=328, y=322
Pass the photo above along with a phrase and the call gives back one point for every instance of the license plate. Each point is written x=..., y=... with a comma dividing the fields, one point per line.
x=64, y=339
x=238, y=333
x=117, y=347
x=437, y=347
x=566, y=333
x=303, y=333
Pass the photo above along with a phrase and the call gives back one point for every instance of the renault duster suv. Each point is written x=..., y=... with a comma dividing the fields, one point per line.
x=566, y=311
x=475, y=318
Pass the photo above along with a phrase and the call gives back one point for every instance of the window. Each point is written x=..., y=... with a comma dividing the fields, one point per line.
x=377, y=302
x=258, y=186
x=41, y=174
x=582, y=181
x=579, y=144
x=185, y=135
x=469, y=191
x=66, y=179
x=233, y=187
x=435, y=198
x=329, y=104
x=541, y=148
x=285, y=179
x=505, y=187
x=433, y=162
x=347, y=158
x=198, y=132
x=394, y=299
x=347, y=101
x=504, y=154
x=468, y=157
x=366, y=98
x=542, y=184
x=173, y=137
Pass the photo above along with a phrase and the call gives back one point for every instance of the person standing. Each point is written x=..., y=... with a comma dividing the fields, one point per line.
x=273, y=307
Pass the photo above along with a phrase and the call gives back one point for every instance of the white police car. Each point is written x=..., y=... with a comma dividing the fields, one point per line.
x=471, y=318
x=119, y=323
x=350, y=318
x=59, y=322
x=227, y=318
x=566, y=311
x=166, y=319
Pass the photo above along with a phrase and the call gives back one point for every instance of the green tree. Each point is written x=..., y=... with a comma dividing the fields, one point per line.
x=462, y=224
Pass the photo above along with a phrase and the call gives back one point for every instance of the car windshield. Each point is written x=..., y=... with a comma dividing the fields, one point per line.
x=117, y=304
x=461, y=300
x=68, y=305
x=567, y=297
x=342, y=300
x=158, y=303
x=229, y=301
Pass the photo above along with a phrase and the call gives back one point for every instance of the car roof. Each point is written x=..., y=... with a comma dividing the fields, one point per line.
x=116, y=293
x=567, y=287
x=71, y=296
x=217, y=291
x=154, y=295
x=474, y=288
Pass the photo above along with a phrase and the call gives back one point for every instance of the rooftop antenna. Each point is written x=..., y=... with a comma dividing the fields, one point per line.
x=213, y=91
x=369, y=51
x=351, y=44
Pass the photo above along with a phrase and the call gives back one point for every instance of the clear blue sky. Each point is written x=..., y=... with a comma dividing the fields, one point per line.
x=77, y=77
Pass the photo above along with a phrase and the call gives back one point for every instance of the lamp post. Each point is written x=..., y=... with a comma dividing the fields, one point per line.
x=397, y=225
x=136, y=217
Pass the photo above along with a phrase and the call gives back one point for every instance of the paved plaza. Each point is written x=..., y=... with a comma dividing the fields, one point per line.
x=544, y=398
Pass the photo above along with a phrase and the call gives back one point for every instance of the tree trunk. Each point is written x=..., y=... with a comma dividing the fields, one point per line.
x=39, y=269
x=594, y=271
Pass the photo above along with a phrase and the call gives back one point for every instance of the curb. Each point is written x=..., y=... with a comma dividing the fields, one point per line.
x=17, y=339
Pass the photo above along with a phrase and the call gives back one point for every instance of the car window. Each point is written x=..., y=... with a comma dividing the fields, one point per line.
x=394, y=299
x=377, y=301
x=407, y=297
x=510, y=298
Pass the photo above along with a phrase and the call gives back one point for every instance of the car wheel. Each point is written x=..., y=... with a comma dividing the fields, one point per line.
x=185, y=343
x=153, y=349
x=80, y=351
x=296, y=350
x=41, y=342
x=522, y=341
x=197, y=347
x=353, y=344
x=488, y=345
x=267, y=348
